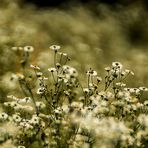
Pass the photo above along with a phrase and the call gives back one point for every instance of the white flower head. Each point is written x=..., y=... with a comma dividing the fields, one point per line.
x=55, y=47
x=35, y=67
x=16, y=118
x=86, y=90
x=39, y=74
x=52, y=69
x=91, y=72
x=73, y=72
x=107, y=69
x=28, y=49
x=117, y=65
x=3, y=116
x=14, y=48
x=99, y=79
x=25, y=100
x=41, y=90
x=21, y=146
x=40, y=105
x=143, y=88
x=43, y=78
x=120, y=84
x=35, y=120
x=127, y=71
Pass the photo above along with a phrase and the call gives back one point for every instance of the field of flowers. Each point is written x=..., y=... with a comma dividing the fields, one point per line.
x=62, y=82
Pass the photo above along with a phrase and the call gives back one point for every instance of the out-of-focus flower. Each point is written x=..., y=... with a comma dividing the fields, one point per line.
x=3, y=116
x=25, y=100
x=28, y=49
x=143, y=88
x=107, y=69
x=55, y=47
x=99, y=79
x=35, y=120
x=35, y=67
x=16, y=118
x=39, y=74
x=91, y=72
x=41, y=90
x=21, y=146
x=117, y=65
x=120, y=84
x=40, y=105
x=43, y=78
x=143, y=119
x=52, y=69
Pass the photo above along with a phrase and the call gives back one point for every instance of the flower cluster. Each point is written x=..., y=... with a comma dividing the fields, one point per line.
x=58, y=111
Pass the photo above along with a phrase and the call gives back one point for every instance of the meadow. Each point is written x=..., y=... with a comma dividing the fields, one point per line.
x=75, y=77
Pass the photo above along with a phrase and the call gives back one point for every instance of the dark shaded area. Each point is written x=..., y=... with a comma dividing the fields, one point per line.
x=46, y=3
x=59, y=3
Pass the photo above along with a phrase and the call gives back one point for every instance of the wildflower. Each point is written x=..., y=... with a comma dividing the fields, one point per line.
x=127, y=71
x=21, y=146
x=18, y=107
x=107, y=69
x=12, y=97
x=65, y=54
x=39, y=74
x=14, y=77
x=60, y=77
x=26, y=125
x=3, y=116
x=14, y=48
x=17, y=48
x=28, y=49
x=7, y=104
x=58, y=65
x=23, y=124
x=91, y=72
x=20, y=48
x=20, y=76
x=16, y=118
x=66, y=93
x=143, y=88
x=99, y=79
x=55, y=47
x=73, y=72
x=123, y=73
x=66, y=67
x=35, y=67
x=52, y=69
x=43, y=78
x=27, y=108
x=131, y=90
x=137, y=91
x=117, y=65
x=25, y=100
x=41, y=90
x=86, y=90
x=13, y=104
x=35, y=120
x=77, y=104
x=120, y=84
x=115, y=72
x=40, y=104
x=143, y=119
x=146, y=102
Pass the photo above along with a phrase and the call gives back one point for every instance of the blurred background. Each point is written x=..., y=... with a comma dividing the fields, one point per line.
x=93, y=32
